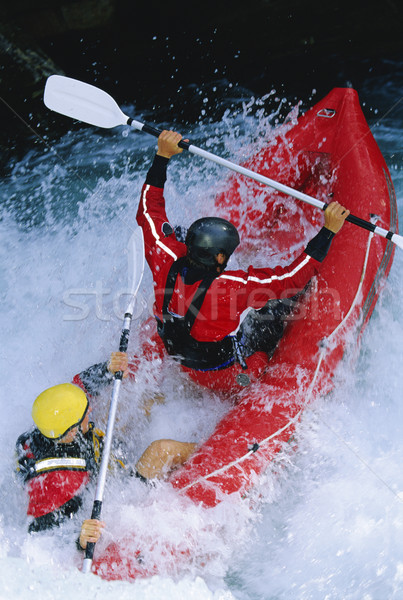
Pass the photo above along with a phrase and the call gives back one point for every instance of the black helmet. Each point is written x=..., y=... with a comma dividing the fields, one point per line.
x=208, y=237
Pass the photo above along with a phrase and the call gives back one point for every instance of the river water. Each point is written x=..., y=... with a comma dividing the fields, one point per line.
x=329, y=525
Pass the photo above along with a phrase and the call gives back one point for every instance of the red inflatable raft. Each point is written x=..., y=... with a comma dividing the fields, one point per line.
x=329, y=153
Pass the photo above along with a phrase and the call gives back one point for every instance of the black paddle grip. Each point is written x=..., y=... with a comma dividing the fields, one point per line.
x=156, y=133
x=357, y=221
x=151, y=130
x=361, y=223
x=96, y=510
x=124, y=340
x=96, y=514
x=89, y=550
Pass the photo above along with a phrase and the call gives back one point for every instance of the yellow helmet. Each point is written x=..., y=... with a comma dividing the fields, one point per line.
x=58, y=409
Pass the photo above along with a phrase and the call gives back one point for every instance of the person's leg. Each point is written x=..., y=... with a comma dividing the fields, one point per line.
x=162, y=456
x=148, y=399
x=263, y=329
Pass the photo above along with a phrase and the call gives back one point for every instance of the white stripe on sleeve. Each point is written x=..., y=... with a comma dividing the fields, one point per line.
x=152, y=226
x=271, y=278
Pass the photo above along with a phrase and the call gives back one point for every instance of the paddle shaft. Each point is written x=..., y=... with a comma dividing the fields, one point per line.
x=97, y=506
x=138, y=269
x=390, y=235
x=89, y=104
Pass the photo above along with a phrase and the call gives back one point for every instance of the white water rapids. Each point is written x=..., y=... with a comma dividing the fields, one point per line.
x=330, y=525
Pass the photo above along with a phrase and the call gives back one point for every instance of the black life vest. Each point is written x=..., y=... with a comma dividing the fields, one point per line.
x=37, y=455
x=175, y=330
x=41, y=461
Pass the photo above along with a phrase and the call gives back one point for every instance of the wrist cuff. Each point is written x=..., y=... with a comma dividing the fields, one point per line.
x=157, y=174
x=319, y=246
x=95, y=378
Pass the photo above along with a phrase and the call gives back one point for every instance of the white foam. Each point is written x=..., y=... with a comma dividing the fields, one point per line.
x=329, y=525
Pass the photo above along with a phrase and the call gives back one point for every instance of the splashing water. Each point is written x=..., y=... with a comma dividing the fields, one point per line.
x=329, y=525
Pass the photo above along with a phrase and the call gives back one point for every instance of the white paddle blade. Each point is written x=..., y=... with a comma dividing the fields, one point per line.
x=136, y=262
x=83, y=102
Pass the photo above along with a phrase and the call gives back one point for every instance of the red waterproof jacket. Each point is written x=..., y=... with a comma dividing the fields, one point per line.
x=55, y=474
x=232, y=294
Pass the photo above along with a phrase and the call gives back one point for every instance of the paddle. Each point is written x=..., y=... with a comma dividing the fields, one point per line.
x=136, y=269
x=91, y=105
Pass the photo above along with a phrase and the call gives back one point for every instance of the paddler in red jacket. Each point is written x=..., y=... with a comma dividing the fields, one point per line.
x=60, y=455
x=200, y=307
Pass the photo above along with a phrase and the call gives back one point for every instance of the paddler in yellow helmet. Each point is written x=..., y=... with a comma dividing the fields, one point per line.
x=61, y=453
x=60, y=410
